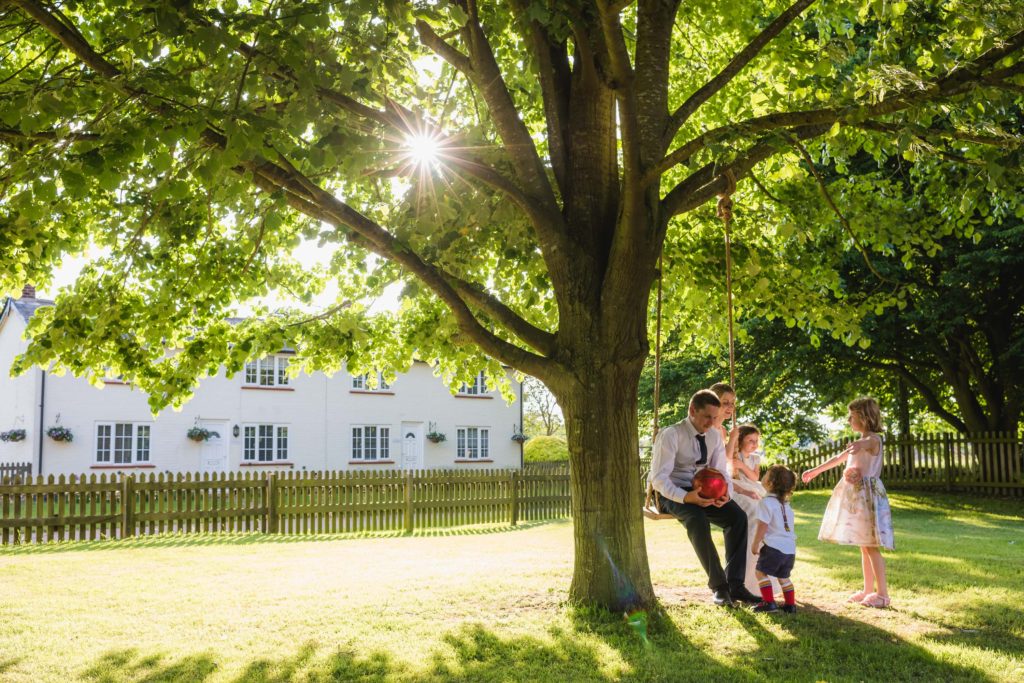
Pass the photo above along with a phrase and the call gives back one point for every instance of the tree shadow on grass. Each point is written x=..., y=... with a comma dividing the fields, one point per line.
x=821, y=645
x=811, y=645
x=471, y=652
x=174, y=540
x=598, y=646
x=8, y=664
x=985, y=626
x=130, y=665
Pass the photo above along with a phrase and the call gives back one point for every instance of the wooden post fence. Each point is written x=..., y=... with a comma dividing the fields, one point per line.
x=513, y=485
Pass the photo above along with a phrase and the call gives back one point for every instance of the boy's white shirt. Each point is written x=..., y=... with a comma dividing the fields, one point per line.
x=676, y=451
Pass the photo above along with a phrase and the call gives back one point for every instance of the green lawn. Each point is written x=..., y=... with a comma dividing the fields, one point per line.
x=479, y=604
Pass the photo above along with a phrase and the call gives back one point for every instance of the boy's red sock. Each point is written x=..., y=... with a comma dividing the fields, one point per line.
x=766, y=590
x=788, y=594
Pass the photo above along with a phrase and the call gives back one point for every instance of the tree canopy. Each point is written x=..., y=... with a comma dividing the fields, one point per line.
x=519, y=166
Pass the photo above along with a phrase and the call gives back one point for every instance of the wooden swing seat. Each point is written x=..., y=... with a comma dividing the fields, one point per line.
x=650, y=509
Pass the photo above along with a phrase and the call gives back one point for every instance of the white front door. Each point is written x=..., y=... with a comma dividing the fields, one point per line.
x=412, y=445
x=213, y=456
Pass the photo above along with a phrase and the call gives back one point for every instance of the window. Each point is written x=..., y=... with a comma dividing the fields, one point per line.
x=267, y=372
x=110, y=376
x=362, y=383
x=122, y=443
x=477, y=388
x=371, y=442
x=472, y=443
x=264, y=443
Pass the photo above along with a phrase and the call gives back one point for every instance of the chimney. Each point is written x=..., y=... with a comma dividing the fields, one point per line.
x=28, y=292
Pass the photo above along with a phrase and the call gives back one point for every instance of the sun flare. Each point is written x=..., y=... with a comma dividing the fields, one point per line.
x=423, y=150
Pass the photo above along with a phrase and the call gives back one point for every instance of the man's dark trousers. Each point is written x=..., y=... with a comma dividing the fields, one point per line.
x=698, y=521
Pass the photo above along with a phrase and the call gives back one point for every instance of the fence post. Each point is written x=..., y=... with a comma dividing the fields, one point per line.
x=948, y=452
x=514, y=487
x=408, y=502
x=271, y=526
x=128, y=506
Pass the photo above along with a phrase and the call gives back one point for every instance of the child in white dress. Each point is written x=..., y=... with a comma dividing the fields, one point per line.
x=745, y=470
x=858, y=512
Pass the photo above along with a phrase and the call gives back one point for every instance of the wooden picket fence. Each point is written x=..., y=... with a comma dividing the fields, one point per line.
x=989, y=462
x=15, y=469
x=111, y=506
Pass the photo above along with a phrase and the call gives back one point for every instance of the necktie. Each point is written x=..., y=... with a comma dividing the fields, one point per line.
x=703, y=449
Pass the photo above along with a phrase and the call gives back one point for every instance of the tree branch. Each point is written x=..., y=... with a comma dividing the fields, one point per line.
x=305, y=196
x=835, y=209
x=623, y=84
x=654, y=26
x=443, y=50
x=398, y=119
x=47, y=135
x=735, y=65
x=709, y=180
x=953, y=83
x=929, y=395
x=553, y=69
x=482, y=70
x=924, y=132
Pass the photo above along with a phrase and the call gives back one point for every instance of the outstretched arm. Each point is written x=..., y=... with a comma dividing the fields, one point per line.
x=827, y=465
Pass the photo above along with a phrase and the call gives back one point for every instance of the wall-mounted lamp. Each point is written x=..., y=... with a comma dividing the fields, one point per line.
x=234, y=431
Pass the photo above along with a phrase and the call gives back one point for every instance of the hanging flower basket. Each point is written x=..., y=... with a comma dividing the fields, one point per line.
x=13, y=435
x=59, y=433
x=199, y=434
x=519, y=437
x=435, y=436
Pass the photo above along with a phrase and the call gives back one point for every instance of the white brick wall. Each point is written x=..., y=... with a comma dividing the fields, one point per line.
x=318, y=410
x=19, y=399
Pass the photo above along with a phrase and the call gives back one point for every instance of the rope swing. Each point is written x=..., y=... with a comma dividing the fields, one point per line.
x=724, y=212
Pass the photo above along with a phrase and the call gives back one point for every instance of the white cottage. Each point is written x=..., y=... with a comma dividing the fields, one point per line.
x=263, y=419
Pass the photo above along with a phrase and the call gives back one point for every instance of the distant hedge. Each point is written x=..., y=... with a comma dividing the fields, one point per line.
x=546, y=449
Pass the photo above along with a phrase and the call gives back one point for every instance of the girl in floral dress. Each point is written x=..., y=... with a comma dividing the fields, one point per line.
x=745, y=470
x=858, y=512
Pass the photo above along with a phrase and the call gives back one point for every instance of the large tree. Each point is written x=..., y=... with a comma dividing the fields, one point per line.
x=195, y=144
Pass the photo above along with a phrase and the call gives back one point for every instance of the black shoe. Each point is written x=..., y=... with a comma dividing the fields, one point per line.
x=767, y=607
x=789, y=609
x=741, y=594
x=722, y=598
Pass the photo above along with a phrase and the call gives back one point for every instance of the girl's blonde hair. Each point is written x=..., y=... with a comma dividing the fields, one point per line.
x=869, y=412
x=779, y=481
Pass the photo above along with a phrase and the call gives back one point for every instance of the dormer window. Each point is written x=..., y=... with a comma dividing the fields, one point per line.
x=267, y=372
x=477, y=388
x=362, y=383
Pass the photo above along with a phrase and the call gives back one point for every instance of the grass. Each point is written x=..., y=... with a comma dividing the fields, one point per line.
x=488, y=604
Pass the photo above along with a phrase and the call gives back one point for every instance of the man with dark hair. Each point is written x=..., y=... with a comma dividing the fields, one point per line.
x=680, y=451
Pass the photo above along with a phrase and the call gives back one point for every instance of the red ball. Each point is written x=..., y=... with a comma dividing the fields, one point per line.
x=710, y=483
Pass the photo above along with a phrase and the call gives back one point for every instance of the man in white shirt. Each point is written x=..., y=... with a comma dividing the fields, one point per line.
x=680, y=451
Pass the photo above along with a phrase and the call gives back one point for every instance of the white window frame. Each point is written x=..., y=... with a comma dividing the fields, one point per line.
x=122, y=443
x=367, y=448
x=478, y=388
x=472, y=442
x=261, y=439
x=267, y=372
x=360, y=383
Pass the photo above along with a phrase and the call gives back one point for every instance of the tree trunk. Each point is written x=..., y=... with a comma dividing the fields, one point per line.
x=601, y=425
